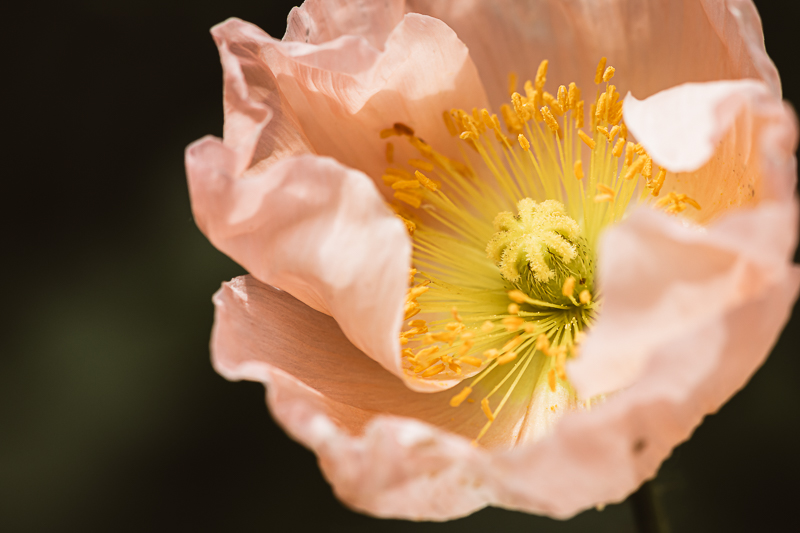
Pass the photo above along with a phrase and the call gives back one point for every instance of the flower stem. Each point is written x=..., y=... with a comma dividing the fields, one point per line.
x=648, y=510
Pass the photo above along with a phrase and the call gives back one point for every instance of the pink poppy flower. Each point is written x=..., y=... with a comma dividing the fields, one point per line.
x=590, y=274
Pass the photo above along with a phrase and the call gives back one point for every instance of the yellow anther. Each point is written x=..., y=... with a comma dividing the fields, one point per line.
x=455, y=326
x=635, y=168
x=512, y=82
x=388, y=132
x=585, y=297
x=541, y=75
x=529, y=327
x=389, y=153
x=578, y=169
x=543, y=343
x=448, y=122
x=677, y=202
x=608, y=74
x=518, y=296
x=639, y=149
x=405, y=184
x=456, y=316
x=523, y=142
x=425, y=181
x=586, y=139
x=399, y=172
x=410, y=309
x=427, y=166
x=647, y=169
x=613, y=132
x=607, y=194
x=623, y=131
x=486, y=410
x=628, y=154
x=487, y=326
x=601, y=67
x=659, y=181
x=579, y=114
x=513, y=343
x=618, y=147
x=601, y=107
x=410, y=226
x=512, y=121
x=470, y=360
x=506, y=358
x=432, y=371
x=573, y=95
x=604, y=131
x=562, y=97
x=411, y=273
x=390, y=179
x=569, y=286
x=513, y=309
x=408, y=353
x=410, y=199
x=458, y=399
x=551, y=101
x=551, y=379
x=425, y=352
x=467, y=346
x=402, y=129
x=418, y=323
x=491, y=354
x=513, y=323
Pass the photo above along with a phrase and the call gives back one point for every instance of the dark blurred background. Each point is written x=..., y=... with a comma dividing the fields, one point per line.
x=111, y=417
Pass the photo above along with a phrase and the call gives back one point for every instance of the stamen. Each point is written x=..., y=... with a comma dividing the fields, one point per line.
x=389, y=153
x=601, y=67
x=512, y=82
x=459, y=398
x=578, y=169
x=586, y=139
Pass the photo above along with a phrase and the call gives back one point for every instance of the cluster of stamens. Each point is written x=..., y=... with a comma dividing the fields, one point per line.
x=496, y=287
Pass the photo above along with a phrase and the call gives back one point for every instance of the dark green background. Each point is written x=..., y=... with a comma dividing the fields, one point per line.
x=111, y=417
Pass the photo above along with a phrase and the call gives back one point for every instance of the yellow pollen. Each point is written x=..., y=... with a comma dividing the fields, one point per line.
x=418, y=323
x=634, y=169
x=425, y=181
x=608, y=74
x=420, y=164
x=411, y=309
x=524, y=142
x=549, y=119
x=541, y=75
x=406, y=184
x=604, y=131
x=551, y=379
x=506, y=358
x=585, y=297
x=491, y=354
x=586, y=139
x=628, y=154
x=573, y=96
x=659, y=181
x=432, y=371
x=486, y=410
x=474, y=361
x=601, y=67
x=569, y=286
x=459, y=398
x=562, y=97
x=618, y=147
x=417, y=292
x=513, y=343
x=410, y=199
x=578, y=169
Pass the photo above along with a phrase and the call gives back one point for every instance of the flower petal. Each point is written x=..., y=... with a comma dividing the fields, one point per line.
x=660, y=277
x=703, y=134
x=345, y=91
x=313, y=228
x=653, y=45
x=320, y=21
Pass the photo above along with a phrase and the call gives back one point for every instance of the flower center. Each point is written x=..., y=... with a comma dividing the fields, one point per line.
x=504, y=240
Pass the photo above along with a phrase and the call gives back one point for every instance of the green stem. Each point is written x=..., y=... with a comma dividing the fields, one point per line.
x=648, y=510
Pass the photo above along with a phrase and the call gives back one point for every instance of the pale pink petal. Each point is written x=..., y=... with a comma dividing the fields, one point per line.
x=345, y=91
x=320, y=21
x=313, y=228
x=653, y=45
x=661, y=277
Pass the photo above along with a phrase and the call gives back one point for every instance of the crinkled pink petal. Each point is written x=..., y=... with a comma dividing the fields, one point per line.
x=345, y=91
x=320, y=21
x=388, y=451
x=313, y=228
x=653, y=45
x=660, y=277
